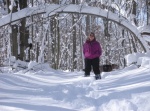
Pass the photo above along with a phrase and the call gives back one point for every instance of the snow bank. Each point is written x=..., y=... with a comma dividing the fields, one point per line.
x=32, y=64
x=140, y=59
x=133, y=58
x=145, y=62
x=38, y=66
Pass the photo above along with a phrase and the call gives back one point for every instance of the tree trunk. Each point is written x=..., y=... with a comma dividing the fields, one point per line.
x=87, y=25
x=134, y=12
x=13, y=39
x=148, y=11
x=53, y=44
x=74, y=41
x=7, y=4
x=58, y=43
x=74, y=45
x=24, y=34
x=55, y=1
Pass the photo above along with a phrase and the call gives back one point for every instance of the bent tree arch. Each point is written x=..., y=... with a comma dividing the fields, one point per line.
x=50, y=39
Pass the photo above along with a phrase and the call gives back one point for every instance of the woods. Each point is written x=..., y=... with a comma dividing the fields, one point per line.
x=57, y=39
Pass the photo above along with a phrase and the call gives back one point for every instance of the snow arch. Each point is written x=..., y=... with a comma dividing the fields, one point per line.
x=52, y=9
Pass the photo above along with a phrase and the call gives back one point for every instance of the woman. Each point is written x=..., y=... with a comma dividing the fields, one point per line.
x=92, y=51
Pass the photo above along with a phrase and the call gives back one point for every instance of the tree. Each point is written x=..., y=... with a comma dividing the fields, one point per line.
x=74, y=41
x=14, y=40
x=19, y=34
x=55, y=46
x=24, y=36
x=134, y=11
x=148, y=11
x=7, y=4
x=66, y=33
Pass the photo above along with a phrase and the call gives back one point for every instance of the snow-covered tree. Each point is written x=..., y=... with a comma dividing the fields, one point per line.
x=58, y=38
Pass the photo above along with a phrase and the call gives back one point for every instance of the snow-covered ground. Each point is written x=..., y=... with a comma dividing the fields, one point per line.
x=45, y=89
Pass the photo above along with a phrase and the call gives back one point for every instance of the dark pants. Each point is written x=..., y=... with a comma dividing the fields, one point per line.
x=92, y=64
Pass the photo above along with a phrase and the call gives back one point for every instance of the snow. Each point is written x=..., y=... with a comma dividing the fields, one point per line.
x=41, y=88
x=147, y=38
x=32, y=64
x=136, y=58
x=144, y=28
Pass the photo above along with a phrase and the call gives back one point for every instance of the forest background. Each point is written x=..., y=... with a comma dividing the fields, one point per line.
x=58, y=39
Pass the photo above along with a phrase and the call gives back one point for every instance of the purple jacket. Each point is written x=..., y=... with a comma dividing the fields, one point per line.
x=92, y=49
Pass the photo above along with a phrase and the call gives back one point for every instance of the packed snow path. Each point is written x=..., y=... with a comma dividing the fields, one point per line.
x=52, y=9
x=51, y=90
